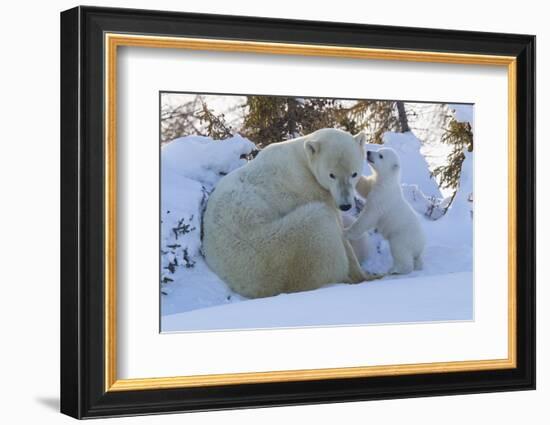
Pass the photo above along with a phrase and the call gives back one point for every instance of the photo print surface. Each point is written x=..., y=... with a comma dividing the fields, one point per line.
x=282, y=212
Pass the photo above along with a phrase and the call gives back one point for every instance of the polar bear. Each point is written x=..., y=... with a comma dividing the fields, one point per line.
x=273, y=226
x=388, y=211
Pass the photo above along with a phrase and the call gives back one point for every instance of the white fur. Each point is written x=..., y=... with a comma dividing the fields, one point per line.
x=274, y=225
x=388, y=211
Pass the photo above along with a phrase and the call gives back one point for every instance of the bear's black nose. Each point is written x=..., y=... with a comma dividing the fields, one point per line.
x=345, y=207
x=368, y=154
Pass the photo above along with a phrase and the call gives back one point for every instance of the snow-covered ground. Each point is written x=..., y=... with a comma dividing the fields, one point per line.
x=415, y=299
x=194, y=298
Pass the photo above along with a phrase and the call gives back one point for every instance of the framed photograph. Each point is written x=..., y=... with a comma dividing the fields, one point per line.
x=261, y=212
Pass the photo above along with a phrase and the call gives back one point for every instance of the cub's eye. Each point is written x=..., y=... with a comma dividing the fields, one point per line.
x=354, y=175
x=381, y=157
x=332, y=176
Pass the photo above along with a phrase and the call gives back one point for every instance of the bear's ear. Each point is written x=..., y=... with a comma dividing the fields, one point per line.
x=312, y=147
x=361, y=138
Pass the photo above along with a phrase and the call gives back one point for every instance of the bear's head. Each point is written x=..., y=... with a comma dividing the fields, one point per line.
x=336, y=159
x=384, y=162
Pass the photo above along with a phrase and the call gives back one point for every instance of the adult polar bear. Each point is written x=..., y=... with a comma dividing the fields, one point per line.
x=274, y=225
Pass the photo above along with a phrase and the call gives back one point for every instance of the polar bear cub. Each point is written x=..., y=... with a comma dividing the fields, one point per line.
x=388, y=211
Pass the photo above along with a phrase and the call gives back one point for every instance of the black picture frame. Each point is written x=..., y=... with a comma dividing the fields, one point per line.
x=83, y=392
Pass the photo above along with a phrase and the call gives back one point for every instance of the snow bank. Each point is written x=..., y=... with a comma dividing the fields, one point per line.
x=203, y=159
x=428, y=122
x=191, y=166
x=429, y=206
x=462, y=205
x=456, y=226
x=415, y=299
x=414, y=167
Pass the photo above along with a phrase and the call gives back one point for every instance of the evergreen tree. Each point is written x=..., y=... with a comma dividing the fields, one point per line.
x=216, y=127
x=459, y=135
x=272, y=119
x=377, y=117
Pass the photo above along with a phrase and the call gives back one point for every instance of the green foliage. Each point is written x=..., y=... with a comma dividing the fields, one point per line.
x=459, y=135
x=271, y=119
x=375, y=116
x=347, y=123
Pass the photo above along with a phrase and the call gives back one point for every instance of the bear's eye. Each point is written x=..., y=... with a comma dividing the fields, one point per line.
x=354, y=175
x=332, y=176
x=381, y=157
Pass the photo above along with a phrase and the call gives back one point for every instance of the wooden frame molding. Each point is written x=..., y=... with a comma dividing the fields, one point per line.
x=114, y=40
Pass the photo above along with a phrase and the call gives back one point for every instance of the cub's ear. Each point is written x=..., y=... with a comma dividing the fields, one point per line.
x=361, y=138
x=312, y=148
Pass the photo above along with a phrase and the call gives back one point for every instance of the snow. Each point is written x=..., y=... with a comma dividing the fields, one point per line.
x=201, y=159
x=191, y=166
x=194, y=298
x=414, y=167
x=415, y=299
x=428, y=122
x=460, y=216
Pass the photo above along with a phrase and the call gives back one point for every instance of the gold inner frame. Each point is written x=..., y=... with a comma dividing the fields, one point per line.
x=113, y=41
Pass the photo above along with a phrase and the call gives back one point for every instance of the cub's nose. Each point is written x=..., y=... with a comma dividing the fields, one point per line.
x=368, y=154
x=345, y=207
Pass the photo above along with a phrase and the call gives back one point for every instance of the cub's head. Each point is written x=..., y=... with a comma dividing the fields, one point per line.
x=384, y=162
x=335, y=159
